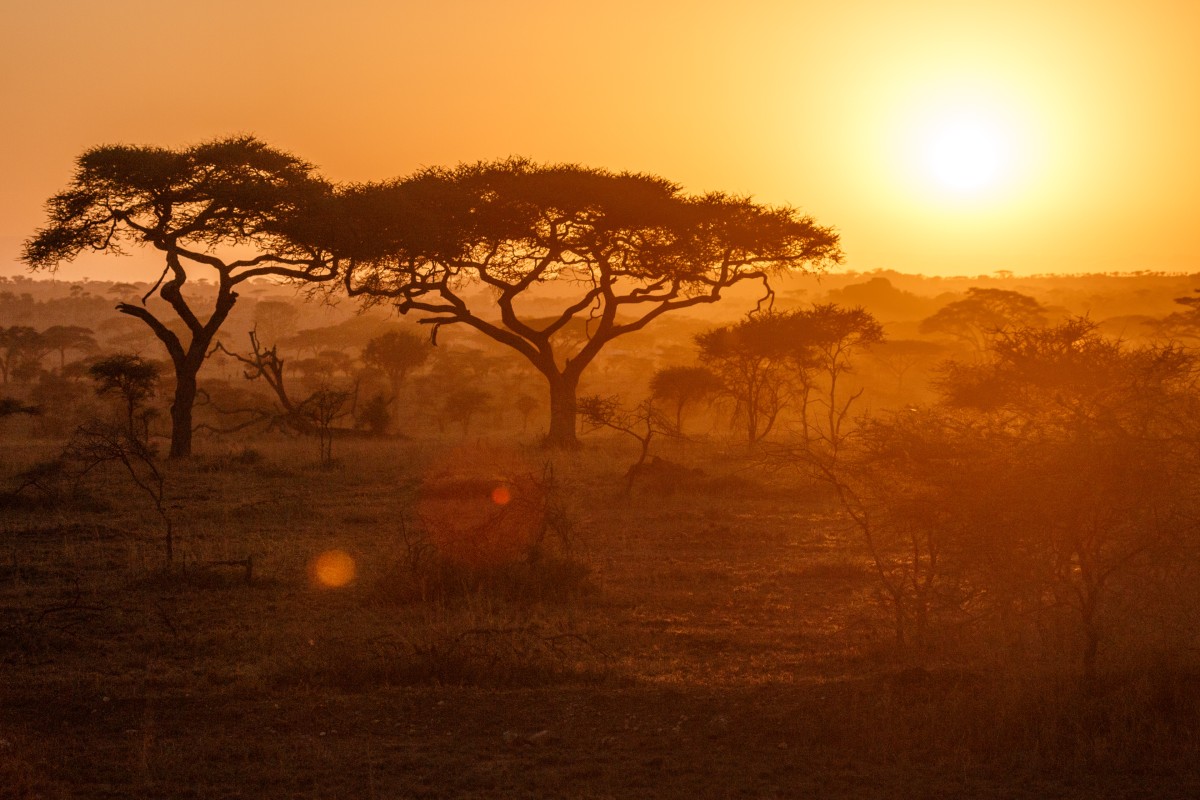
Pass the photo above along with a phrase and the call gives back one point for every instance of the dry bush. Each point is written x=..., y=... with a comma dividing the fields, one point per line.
x=486, y=522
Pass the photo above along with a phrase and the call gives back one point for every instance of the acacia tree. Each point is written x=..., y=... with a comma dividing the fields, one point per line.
x=1104, y=454
x=824, y=341
x=682, y=386
x=750, y=360
x=525, y=405
x=130, y=376
x=632, y=247
x=1054, y=482
x=395, y=354
x=976, y=318
x=21, y=349
x=69, y=337
x=462, y=404
x=643, y=421
x=769, y=361
x=1183, y=324
x=233, y=206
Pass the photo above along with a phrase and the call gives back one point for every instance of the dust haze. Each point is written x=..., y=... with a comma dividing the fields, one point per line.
x=533, y=479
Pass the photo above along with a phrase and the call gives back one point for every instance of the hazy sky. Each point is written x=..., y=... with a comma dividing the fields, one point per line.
x=938, y=137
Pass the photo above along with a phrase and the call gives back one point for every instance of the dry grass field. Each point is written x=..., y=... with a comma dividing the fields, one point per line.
x=709, y=635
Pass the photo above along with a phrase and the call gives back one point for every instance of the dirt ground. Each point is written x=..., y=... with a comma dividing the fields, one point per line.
x=727, y=641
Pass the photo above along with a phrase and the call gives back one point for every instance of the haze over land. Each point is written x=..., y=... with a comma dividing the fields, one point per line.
x=428, y=443
x=938, y=138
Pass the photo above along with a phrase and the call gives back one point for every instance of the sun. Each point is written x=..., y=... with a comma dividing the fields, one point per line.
x=964, y=145
x=967, y=153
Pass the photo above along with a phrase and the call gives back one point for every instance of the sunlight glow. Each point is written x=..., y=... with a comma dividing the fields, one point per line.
x=501, y=495
x=333, y=568
x=967, y=154
x=968, y=146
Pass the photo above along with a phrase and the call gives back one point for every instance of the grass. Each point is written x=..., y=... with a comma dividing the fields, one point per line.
x=724, y=640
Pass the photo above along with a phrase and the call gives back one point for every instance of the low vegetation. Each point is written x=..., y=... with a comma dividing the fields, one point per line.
x=959, y=567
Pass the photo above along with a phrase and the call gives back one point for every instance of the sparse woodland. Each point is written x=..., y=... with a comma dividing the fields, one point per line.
x=882, y=535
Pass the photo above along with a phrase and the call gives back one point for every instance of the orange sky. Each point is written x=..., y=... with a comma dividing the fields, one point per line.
x=837, y=108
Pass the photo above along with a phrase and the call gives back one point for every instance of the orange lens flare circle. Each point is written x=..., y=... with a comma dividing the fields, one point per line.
x=481, y=506
x=333, y=568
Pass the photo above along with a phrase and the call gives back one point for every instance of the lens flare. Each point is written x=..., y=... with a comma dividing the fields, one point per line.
x=333, y=568
x=482, y=506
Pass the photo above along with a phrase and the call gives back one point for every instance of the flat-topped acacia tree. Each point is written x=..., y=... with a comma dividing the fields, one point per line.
x=620, y=250
x=232, y=209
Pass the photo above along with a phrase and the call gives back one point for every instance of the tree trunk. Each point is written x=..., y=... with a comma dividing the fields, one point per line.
x=181, y=408
x=1091, y=647
x=562, y=412
x=1091, y=640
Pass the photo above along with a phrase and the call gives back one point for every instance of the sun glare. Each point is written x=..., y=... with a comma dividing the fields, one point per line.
x=967, y=154
x=968, y=144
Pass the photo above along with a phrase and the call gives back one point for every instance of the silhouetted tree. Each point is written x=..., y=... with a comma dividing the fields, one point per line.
x=1101, y=448
x=888, y=486
x=21, y=349
x=643, y=422
x=326, y=367
x=96, y=444
x=634, y=246
x=683, y=386
x=65, y=399
x=131, y=377
x=323, y=408
x=982, y=313
x=315, y=414
x=462, y=404
x=1183, y=324
x=1056, y=477
x=193, y=205
x=374, y=415
x=526, y=405
x=901, y=356
x=69, y=337
x=769, y=361
x=395, y=354
x=824, y=340
x=748, y=359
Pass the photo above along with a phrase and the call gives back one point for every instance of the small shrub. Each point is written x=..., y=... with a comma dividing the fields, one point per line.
x=52, y=485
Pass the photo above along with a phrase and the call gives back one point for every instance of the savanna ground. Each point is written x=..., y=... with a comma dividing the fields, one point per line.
x=726, y=641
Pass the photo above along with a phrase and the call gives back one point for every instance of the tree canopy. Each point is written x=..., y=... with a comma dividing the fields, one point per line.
x=236, y=206
x=1054, y=478
x=974, y=319
x=769, y=361
x=631, y=246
